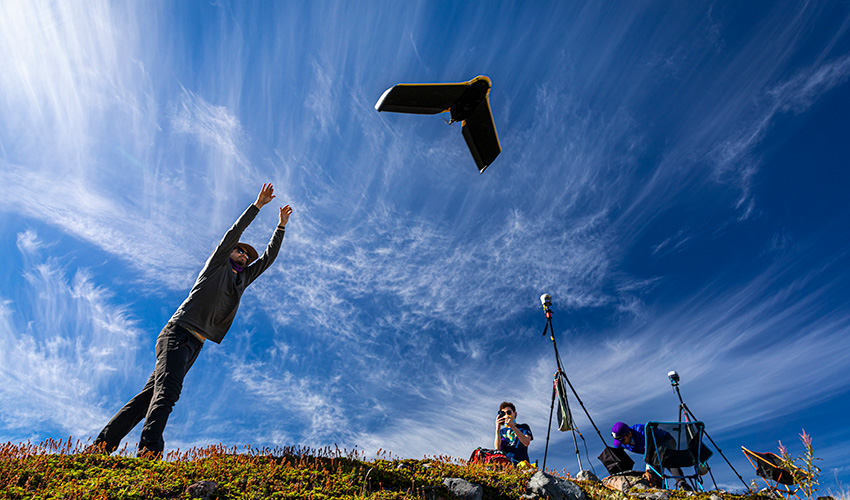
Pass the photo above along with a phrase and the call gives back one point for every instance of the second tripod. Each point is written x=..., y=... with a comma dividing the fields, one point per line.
x=559, y=390
x=685, y=415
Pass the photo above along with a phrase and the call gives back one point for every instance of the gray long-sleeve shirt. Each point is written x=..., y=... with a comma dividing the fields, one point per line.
x=211, y=305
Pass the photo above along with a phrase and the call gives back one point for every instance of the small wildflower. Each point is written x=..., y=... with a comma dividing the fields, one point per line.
x=803, y=469
x=807, y=440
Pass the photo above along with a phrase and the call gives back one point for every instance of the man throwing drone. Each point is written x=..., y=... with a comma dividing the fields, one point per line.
x=206, y=314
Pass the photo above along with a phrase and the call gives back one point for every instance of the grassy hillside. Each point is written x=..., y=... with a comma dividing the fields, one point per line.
x=59, y=470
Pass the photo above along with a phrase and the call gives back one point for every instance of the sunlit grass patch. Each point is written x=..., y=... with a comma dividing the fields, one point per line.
x=66, y=469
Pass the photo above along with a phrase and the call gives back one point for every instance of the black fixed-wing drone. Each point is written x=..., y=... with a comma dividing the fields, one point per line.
x=468, y=103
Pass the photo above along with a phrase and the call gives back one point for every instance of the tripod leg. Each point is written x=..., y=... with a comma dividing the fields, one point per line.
x=549, y=430
x=578, y=455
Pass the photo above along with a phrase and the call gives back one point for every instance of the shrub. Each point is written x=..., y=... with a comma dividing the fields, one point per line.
x=803, y=467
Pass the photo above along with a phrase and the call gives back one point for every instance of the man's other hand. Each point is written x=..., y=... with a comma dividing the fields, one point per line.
x=266, y=195
x=283, y=217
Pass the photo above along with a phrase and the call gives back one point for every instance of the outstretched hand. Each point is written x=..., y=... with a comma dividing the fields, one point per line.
x=283, y=217
x=266, y=195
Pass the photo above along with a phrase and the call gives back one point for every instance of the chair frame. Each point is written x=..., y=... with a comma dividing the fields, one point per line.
x=785, y=489
x=695, y=480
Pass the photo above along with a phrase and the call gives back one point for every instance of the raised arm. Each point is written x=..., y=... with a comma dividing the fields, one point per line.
x=265, y=260
x=231, y=237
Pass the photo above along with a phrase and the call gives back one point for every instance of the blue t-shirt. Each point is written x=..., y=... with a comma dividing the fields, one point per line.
x=510, y=444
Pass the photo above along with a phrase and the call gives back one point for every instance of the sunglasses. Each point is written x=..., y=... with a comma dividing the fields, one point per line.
x=242, y=251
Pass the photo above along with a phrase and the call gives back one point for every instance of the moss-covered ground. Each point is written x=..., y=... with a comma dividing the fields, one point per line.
x=61, y=470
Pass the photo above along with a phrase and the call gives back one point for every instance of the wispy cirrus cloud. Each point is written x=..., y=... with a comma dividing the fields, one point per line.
x=412, y=263
x=322, y=100
x=303, y=399
x=68, y=74
x=219, y=133
x=733, y=155
x=65, y=342
x=76, y=76
x=749, y=358
x=734, y=351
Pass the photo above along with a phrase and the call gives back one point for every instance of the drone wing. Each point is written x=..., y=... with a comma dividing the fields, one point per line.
x=479, y=131
x=421, y=98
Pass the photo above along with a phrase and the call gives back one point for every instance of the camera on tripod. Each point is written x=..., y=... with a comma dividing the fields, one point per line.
x=674, y=378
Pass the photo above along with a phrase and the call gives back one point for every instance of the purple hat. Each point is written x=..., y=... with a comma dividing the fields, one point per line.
x=619, y=430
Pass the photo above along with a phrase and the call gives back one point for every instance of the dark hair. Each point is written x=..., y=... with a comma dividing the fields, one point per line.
x=507, y=404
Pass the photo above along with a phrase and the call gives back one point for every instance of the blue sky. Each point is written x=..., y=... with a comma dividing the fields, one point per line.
x=674, y=174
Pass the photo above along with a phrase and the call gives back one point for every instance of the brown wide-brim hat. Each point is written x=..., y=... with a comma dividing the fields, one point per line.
x=252, y=254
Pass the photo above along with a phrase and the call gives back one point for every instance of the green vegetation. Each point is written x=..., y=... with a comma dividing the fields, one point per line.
x=62, y=469
x=803, y=467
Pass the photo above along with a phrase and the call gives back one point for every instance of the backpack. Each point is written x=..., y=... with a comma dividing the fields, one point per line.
x=489, y=457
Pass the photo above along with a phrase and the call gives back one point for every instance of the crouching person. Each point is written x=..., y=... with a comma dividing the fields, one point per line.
x=634, y=438
x=512, y=439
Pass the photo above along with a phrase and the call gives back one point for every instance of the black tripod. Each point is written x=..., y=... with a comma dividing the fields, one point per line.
x=560, y=375
x=559, y=390
x=688, y=416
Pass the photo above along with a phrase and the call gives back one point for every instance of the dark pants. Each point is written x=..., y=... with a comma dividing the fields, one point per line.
x=176, y=351
x=669, y=443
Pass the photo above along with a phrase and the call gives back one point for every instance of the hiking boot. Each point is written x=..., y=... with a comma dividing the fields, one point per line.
x=683, y=485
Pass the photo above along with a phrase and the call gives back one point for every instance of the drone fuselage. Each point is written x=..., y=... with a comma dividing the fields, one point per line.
x=470, y=99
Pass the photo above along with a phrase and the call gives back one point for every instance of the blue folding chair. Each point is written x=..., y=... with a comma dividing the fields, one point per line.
x=676, y=445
